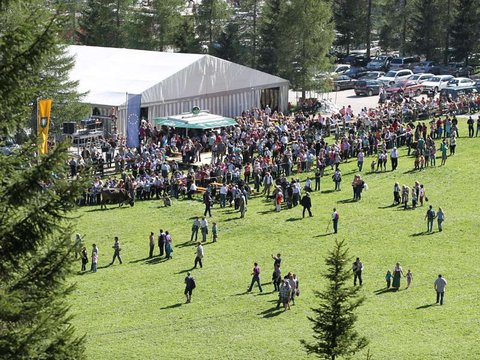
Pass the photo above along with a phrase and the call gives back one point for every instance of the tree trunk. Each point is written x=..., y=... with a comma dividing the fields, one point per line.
x=369, y=26
x=404, y=29
x=447, y=35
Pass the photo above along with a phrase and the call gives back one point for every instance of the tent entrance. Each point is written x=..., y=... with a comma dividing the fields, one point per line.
x=270, y=97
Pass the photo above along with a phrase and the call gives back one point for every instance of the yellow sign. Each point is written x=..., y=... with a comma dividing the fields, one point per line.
x=43, y=123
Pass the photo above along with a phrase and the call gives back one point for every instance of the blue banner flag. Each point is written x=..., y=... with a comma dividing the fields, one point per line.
x=133, y=120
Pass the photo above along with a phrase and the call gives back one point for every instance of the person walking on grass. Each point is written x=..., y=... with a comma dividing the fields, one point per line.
x=440, y=218
x=168, y=245
x=307, y=204
x=84, y=257
x=204, y=228
x=94, y=258
x=151, y=240
x=116, y=251
x=430, y=216
x=439, y=286
x=284, y=295
x=276, y=277
x=199, y=255
x=255, y=277
x=195, y=227
x=161, y=242
x=189, y=286
x=357, y=269
x=335, y=218
x=388, y=278
x=409, y=277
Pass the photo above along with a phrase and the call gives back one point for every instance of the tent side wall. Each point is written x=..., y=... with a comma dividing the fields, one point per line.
x=227, y=103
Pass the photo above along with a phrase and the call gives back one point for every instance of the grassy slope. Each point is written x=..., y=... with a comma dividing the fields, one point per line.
x=136, y=310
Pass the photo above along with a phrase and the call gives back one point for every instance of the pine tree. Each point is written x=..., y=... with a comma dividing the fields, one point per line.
x=335, y=317
x=211, y=18
x=466, y=29
x=35, y=198
x=185, y=40
x=425, y=28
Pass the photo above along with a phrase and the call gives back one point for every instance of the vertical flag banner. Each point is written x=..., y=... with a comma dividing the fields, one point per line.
x=43, y=123
x=133, y=120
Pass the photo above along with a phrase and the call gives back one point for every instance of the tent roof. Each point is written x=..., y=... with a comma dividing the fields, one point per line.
x=202, y=121
x=108, y=74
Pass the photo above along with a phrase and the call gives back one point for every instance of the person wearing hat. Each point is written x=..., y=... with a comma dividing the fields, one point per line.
x=189, y=286
x=394, y=158
x=307, y=204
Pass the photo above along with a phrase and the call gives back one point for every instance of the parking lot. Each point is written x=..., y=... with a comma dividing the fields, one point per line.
x=341, y=98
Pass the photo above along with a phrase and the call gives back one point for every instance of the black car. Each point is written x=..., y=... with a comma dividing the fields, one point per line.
x=343, y=82
x=358, y=60
x=367, y=87
x=355, y=72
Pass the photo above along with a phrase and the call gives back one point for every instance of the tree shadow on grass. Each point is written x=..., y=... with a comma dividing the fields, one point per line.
x=97, y=209
x=173, y=306
x=425, y=306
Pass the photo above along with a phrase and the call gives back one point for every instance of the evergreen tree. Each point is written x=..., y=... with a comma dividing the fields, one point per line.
x=335, y=317
x=211, y=18
x=350, y=23
x=154, y=26
x=425, y=28
x=272, y=41
x=185, y=41
x=466, y=28
x=103, y=22
x=249, y=18
x=35, y=198
x=228, y=45
x=310, y=36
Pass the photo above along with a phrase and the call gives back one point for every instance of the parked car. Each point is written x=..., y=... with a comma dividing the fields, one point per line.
x=427, y=67
x=341, y=68
x=393, y=76
x=404, y=87
x=367, y=87
x=457, y=69
x=454, y=93
x=461, y=82
x=436, y=83
x=407, y=62
x=420, y=78
x=358, y=60
x=343, y=82
x=355, y=72
x=371, y=75
x=380, y=63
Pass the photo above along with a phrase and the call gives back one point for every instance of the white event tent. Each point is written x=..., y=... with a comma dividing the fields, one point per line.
x=171, y=83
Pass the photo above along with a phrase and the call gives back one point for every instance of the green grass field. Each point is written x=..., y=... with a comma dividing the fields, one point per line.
x=137, y=311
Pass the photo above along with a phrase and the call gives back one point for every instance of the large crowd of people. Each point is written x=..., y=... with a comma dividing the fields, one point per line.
x=265, y=154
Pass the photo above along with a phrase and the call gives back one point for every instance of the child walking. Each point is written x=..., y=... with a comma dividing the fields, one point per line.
x=388, y=279
x=409, y=278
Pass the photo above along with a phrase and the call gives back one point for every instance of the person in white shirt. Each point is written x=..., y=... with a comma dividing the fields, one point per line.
x=199, y=255
x=439, y=286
